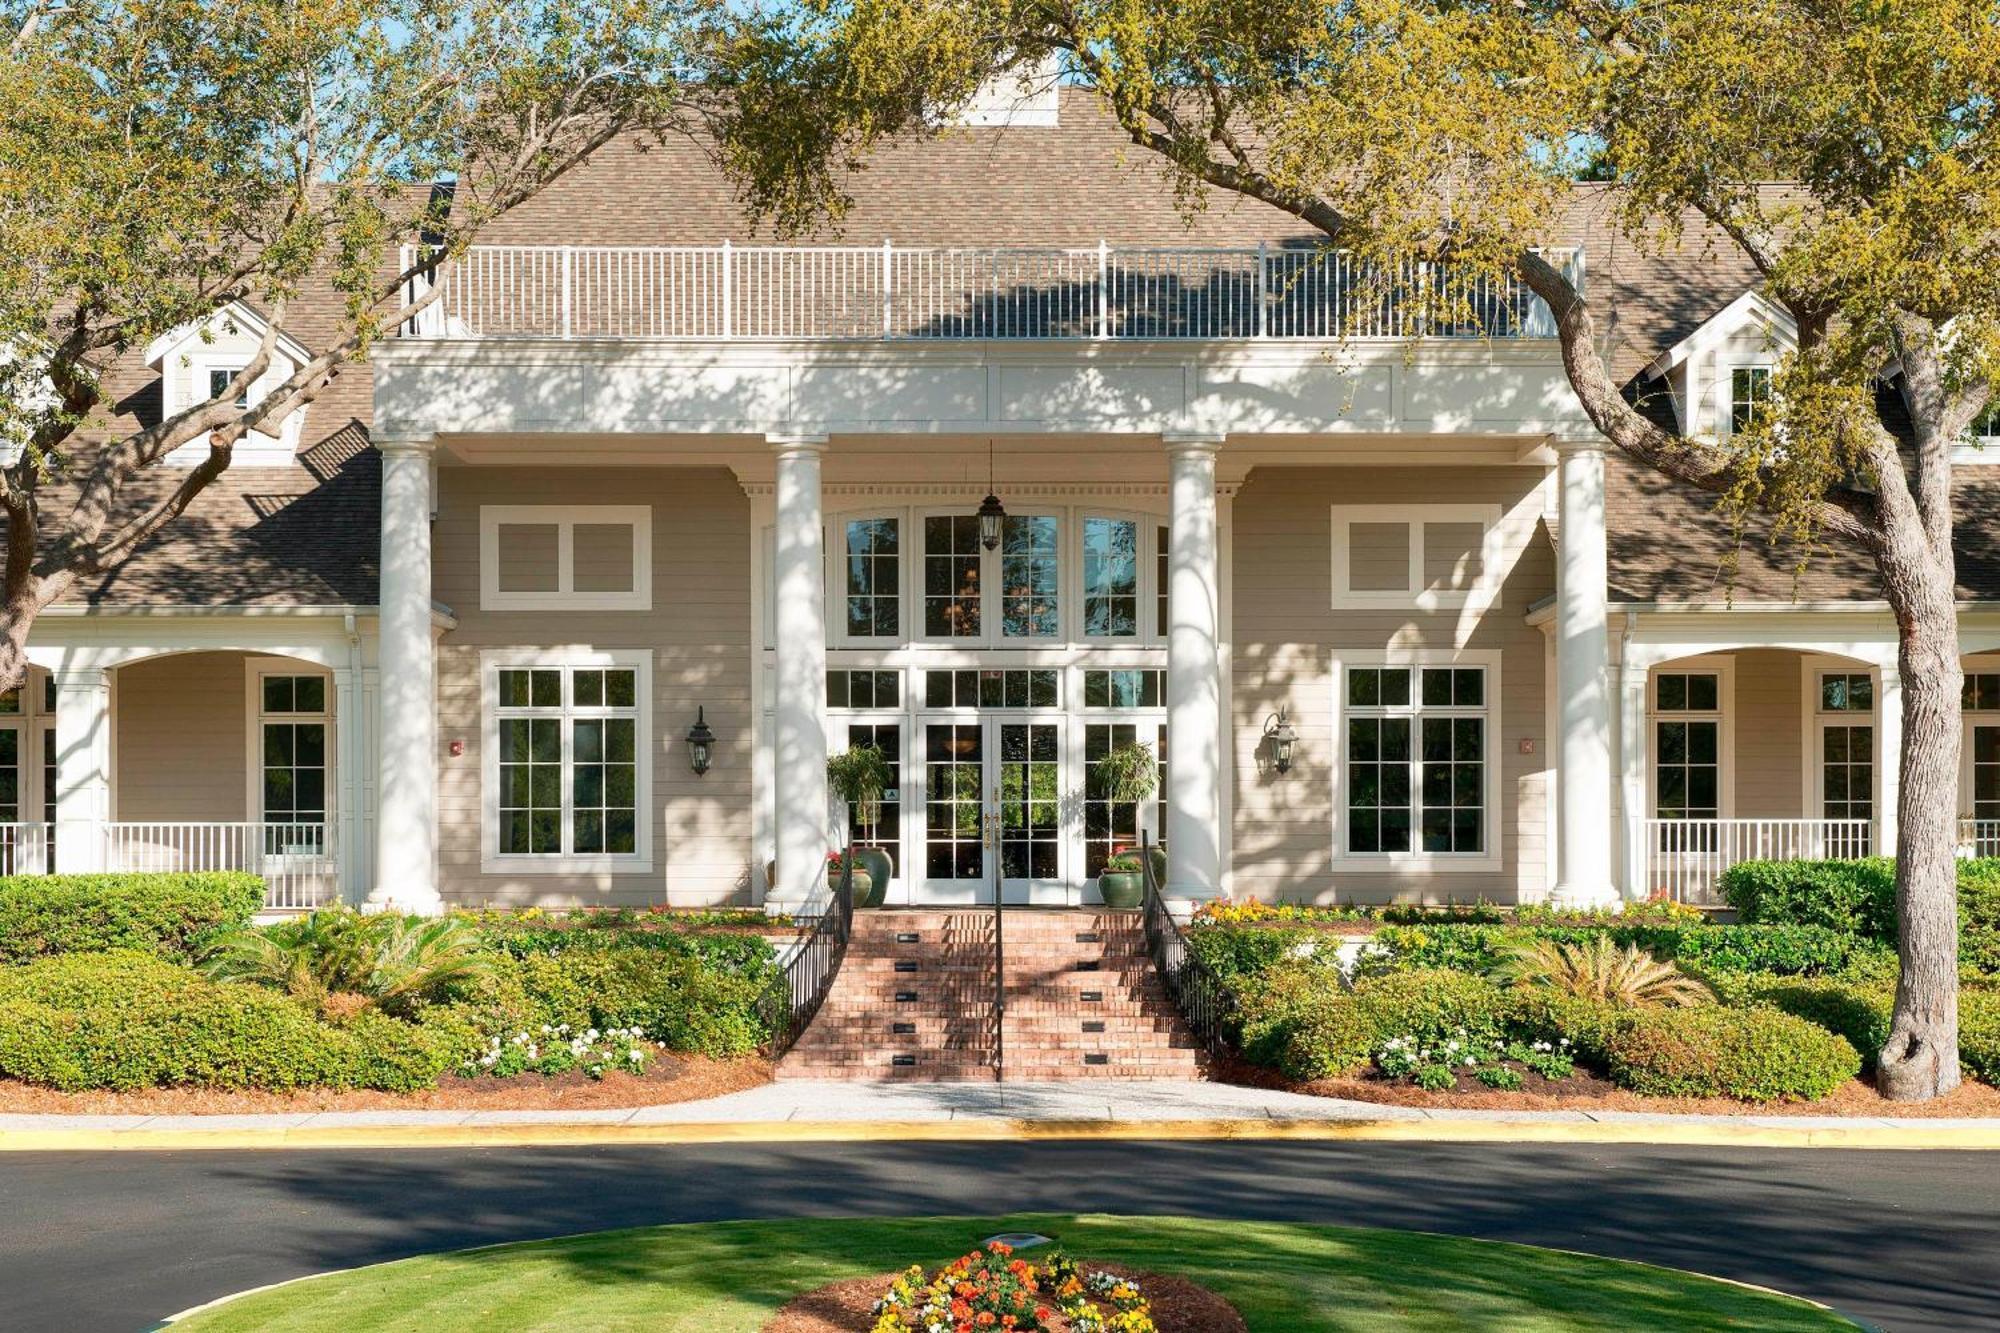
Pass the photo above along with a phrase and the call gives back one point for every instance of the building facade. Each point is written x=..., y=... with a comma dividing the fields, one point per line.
x=442, y=640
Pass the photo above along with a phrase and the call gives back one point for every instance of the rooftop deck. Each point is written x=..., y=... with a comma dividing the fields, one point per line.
x=885, y=292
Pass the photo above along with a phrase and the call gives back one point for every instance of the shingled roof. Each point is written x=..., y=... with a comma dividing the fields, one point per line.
x=308, y=535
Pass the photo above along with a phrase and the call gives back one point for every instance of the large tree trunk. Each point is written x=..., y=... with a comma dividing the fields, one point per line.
x=1921, y=1057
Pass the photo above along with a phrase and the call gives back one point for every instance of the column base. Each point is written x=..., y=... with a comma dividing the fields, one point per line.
x=1586, y=896
x=404, y=902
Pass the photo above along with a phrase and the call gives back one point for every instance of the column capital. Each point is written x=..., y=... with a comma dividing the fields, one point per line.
x=1192, y=441
x=796, y=442
x=1593, y=444
x=420, y=446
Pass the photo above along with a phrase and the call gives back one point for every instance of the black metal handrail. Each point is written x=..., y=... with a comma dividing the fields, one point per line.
x=1207, y=1006
x=810, y=971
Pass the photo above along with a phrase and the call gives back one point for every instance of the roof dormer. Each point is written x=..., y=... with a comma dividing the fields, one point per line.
x=197, y=361
x=1721, y=374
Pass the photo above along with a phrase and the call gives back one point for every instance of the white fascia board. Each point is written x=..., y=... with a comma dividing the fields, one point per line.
x=236, y=313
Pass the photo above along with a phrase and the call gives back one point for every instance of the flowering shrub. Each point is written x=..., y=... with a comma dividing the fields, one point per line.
x=1433, y=1065
x=990, y=1289
x=555, y=1049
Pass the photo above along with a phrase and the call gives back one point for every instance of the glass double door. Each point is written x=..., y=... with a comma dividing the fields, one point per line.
x=992, y=791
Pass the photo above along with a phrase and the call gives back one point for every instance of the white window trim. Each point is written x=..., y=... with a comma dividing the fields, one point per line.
x=565, y=519
x=1725, y=387
x=1812, y=779
x=255, y=670
x=1968, y=719
x=1724, y=669
x=1481, y=595
x=491, y=662
x=1415, y=660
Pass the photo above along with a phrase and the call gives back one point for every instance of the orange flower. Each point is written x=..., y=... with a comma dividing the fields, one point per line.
x=986, y=1319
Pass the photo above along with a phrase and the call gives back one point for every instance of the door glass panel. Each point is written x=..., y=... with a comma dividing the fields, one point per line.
x=10, y=775
x=1847, y=772
x=1108, y=826
x=1030, y=797
x=886, y=834
x=1110, y=577
x=954, y=787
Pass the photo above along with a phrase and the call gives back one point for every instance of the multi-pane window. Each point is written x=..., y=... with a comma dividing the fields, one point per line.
x=874, y=578
x=1847, y=745
x=218, y=384
x=1749, y=396
x=1110, y=578
x=1985, y=778
x=293, y=730
x=864, y=689
x=1986, y=426
x=1108, y=826
x=951, y=576
x=954, y=802
x=1687, y=736
x=1161, y=578
x=1416, y=760
x=1029, y=577
x=1014, y=687
x=1030, y=800
x=568, y=761
x=1980, y=692
x=1124, y=687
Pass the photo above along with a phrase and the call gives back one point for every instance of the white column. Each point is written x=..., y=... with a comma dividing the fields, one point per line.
x=1583, y=697
x=799, y=706
x=1888, y=758
x=349, y=853
x=1194, y=671
x=83, y=768
x=1633, y=748
x=406, y=823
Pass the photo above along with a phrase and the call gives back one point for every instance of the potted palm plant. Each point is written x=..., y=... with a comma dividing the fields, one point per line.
x=1126, y=775
x=859, y=776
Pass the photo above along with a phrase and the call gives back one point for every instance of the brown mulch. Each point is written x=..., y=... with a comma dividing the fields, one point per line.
x=1585, y=1091
x=1179, y=1306
x=670, y=1078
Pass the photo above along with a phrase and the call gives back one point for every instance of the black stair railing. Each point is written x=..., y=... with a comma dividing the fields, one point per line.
x=808, y=974
x=1207, y=1006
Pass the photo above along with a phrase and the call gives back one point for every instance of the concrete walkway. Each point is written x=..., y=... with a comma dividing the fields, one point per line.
x=809, y=1110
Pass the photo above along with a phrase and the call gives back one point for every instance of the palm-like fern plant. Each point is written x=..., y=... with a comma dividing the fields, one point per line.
x=1597, y=969
x=391, y=961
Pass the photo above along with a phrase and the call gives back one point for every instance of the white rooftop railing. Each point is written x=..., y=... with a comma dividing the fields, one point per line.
x=885, y=292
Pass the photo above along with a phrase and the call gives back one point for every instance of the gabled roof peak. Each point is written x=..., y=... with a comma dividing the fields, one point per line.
x=1752, y=310
x=236, y=316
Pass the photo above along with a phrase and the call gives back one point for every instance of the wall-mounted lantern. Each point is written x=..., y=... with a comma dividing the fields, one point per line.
x=701, y=743
x=1283, y=740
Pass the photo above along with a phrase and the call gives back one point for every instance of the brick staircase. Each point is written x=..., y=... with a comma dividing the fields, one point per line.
x=913, y=1002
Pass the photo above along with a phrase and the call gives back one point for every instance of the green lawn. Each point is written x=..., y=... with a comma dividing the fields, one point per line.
x=728, y=1278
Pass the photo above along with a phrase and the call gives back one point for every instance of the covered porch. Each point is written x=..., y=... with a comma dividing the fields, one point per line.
x=201, y=751
x=1766, y=734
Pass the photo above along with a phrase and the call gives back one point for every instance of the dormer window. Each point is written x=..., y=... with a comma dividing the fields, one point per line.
x=218, y=384
x=1749, y=396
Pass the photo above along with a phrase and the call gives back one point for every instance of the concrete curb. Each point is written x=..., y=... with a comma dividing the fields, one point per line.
x=1467, y=1127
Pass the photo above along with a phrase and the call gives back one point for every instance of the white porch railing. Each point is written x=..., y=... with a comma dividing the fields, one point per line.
x=1683, y=859
x=296, y=861
x=27, y=849
x=1980, y=837
x=860, y=292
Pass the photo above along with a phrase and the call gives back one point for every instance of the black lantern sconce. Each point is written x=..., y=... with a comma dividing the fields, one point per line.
x=1283, y=740
x=991, y=512
x=701, y=743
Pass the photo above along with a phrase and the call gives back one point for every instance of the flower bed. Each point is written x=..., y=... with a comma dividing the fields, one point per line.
x=196, y=999
x=991, y=1289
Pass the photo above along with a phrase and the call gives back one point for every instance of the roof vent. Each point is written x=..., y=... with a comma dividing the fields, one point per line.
x=1030, y=95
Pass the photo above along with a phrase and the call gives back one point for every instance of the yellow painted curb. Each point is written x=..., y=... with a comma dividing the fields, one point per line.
x=1690, y=1133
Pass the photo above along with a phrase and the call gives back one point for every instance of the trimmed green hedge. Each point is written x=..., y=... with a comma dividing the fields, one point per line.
x=1234, y=952
x=1858, y=1012
x=1787, y=950
x=168, y=915
x=1299, y=1019
x=1859, y=898
x=130, y=1020
x=1979, y=1033
x=1755, y=1054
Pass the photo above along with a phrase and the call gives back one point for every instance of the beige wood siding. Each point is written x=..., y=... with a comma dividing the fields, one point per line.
x=1284, y=640
x=529, y=557
x=1770, y=773
x=180, y=731
x=698, y=632
x=1378, y=557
